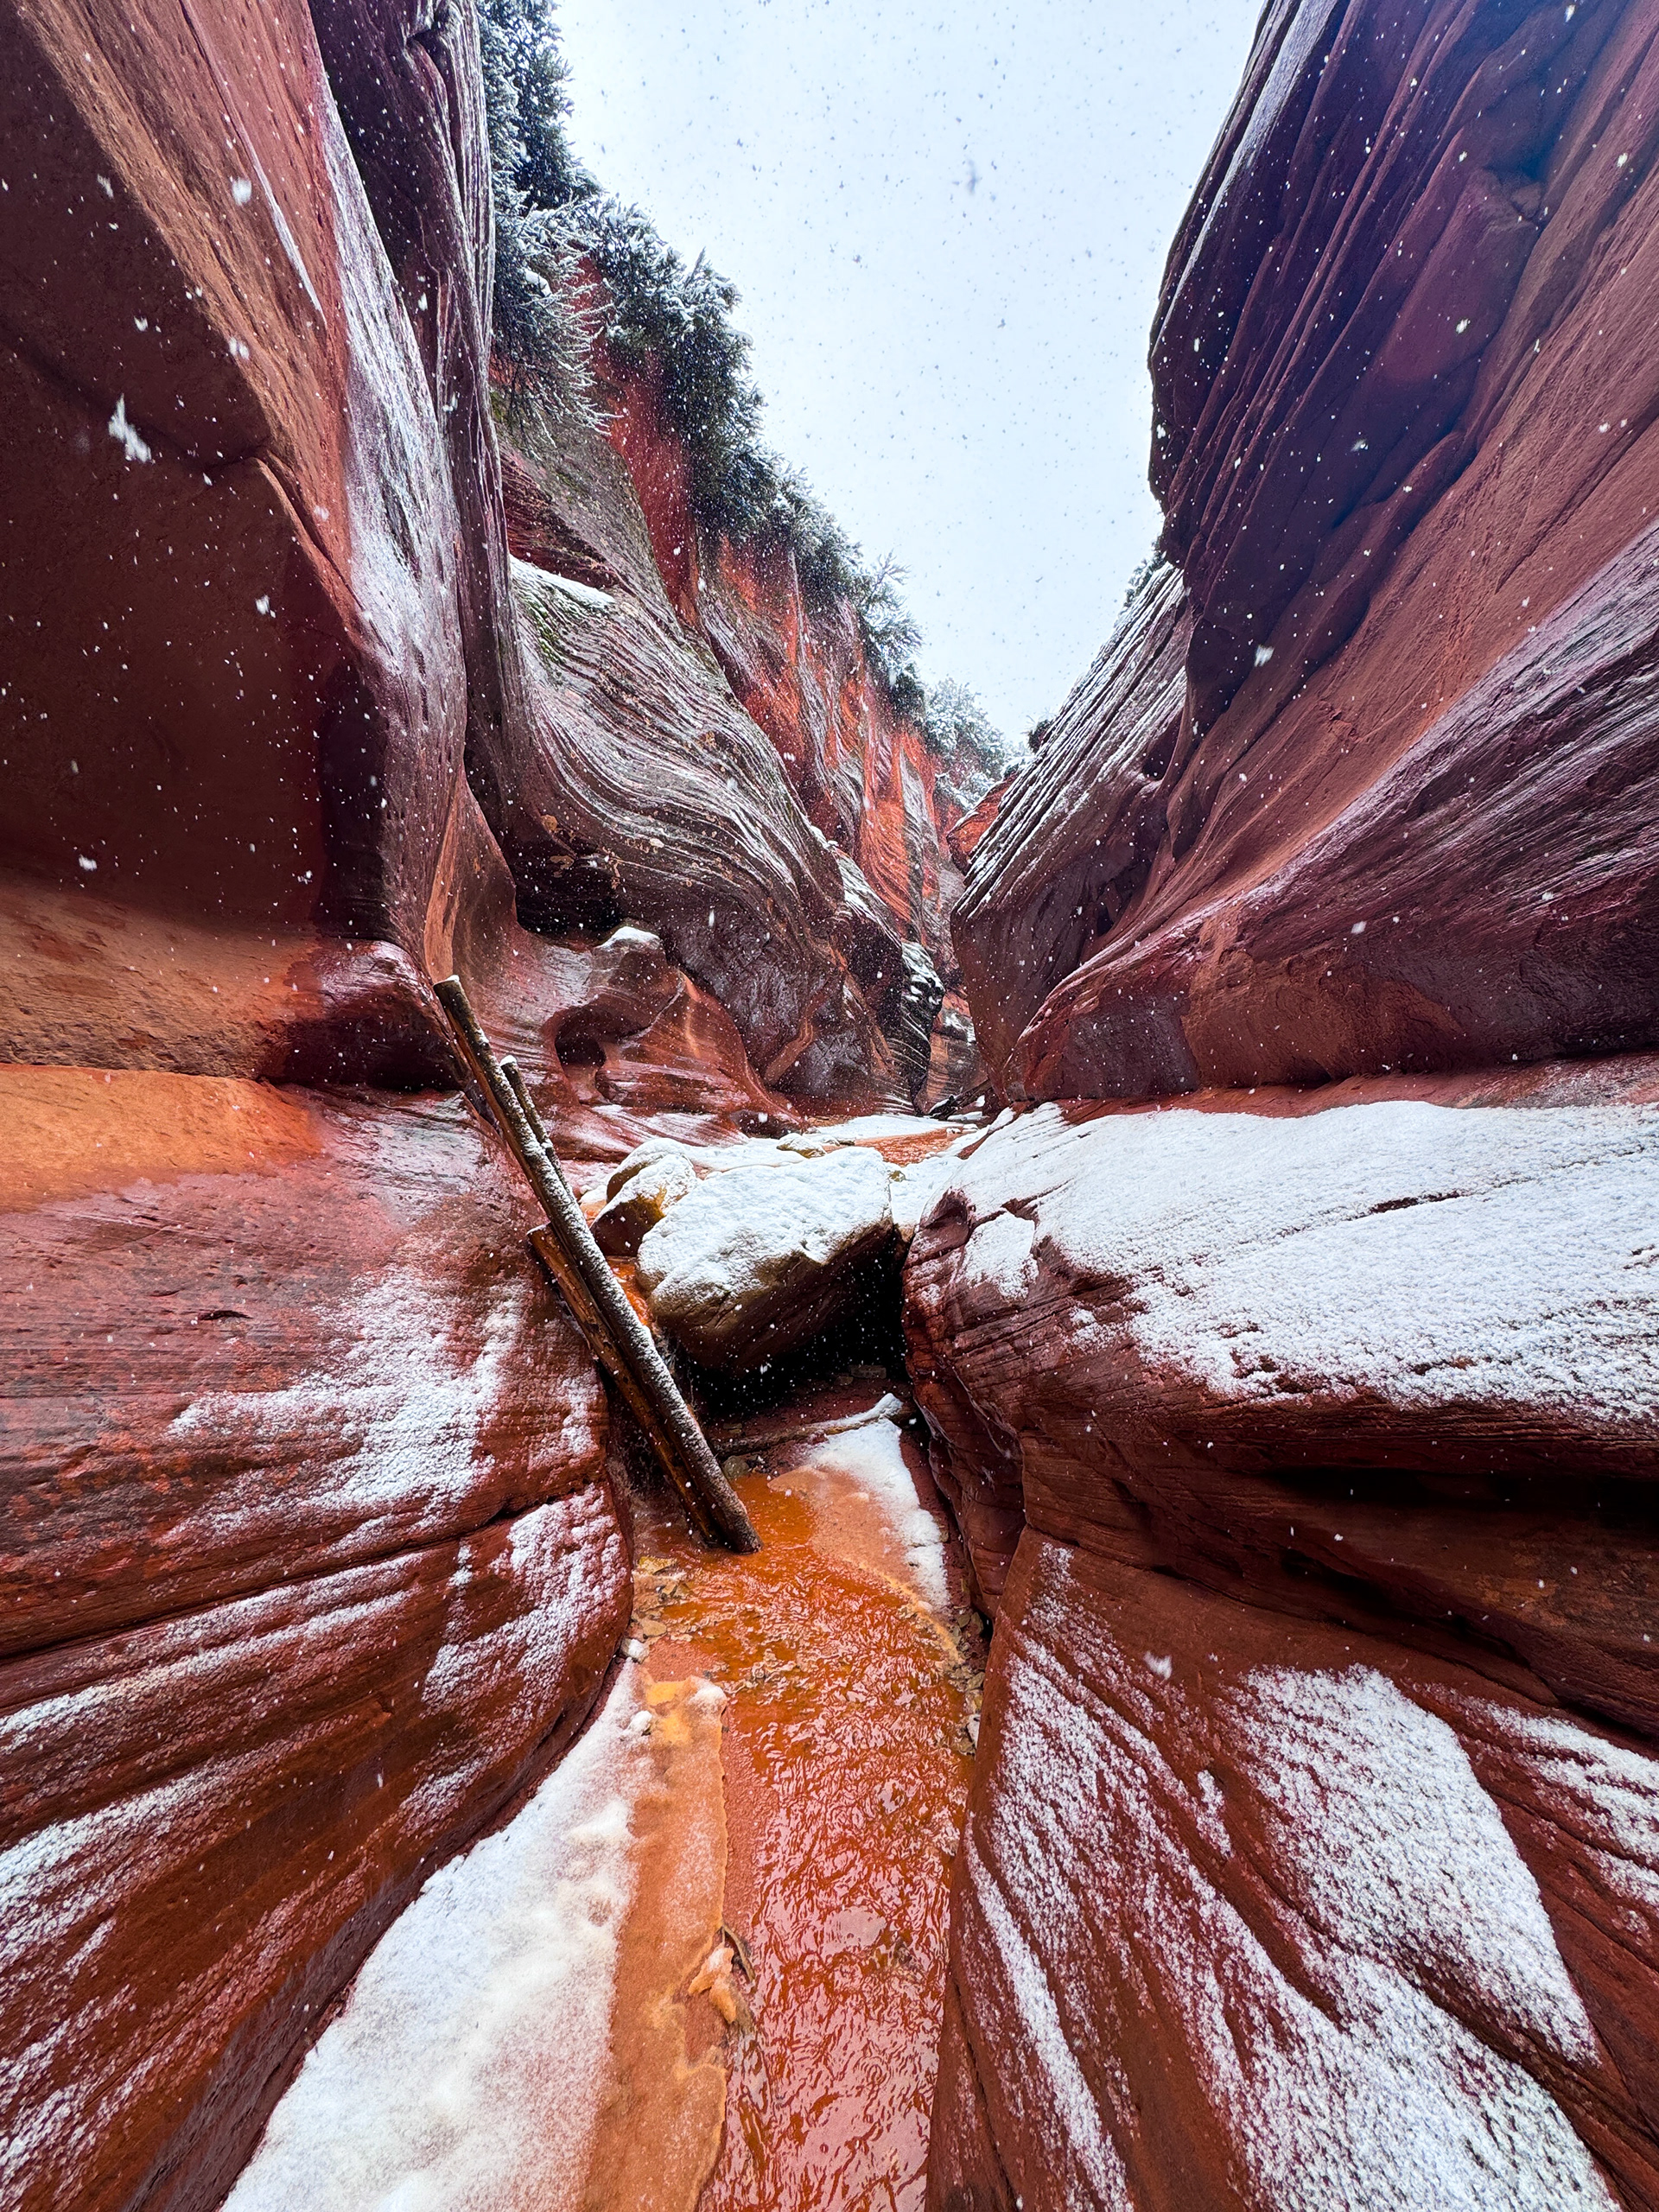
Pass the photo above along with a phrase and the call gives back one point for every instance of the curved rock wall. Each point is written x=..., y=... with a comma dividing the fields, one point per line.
x=863, y=769
x=311, y=1556
x=312, y=1563
x=1292, y=1372
x=641, y=755
x=1305, y=1444
x=779, y=767
x=236, y=687
x=863, y=772
x=1382, y=797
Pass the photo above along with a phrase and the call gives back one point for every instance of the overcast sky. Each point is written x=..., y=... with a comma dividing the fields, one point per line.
x=948, y=227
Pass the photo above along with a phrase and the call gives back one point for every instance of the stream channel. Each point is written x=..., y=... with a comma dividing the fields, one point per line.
x=704, y=1966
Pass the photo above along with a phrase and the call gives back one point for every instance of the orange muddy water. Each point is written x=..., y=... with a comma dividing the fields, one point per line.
x=851, y=1669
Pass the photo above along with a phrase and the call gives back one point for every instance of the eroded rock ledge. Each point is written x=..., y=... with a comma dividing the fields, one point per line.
x=1305, y=1446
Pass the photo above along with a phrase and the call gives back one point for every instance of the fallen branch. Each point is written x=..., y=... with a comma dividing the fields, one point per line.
x=618, y=1340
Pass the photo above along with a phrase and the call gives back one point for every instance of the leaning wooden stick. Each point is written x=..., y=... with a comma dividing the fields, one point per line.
x=620, y=1343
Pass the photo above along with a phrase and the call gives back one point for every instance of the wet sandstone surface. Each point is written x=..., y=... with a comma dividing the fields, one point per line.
x=1305, y=1445
x=852, y=1664
x=705, y=1964
x=1291, y=1370
x=1360, y=781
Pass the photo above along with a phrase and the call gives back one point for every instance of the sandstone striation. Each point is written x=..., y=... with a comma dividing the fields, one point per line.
x=1336, y=1923
x=1300, y=1410
x=1304, y=1444
x=1363, y=781
x=312, y=1562
x=1289, y=1368
x=735, y=851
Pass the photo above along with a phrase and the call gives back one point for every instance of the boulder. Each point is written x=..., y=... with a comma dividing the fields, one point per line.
x=641, y=1203
x=648, y=1154
x=759, y=1260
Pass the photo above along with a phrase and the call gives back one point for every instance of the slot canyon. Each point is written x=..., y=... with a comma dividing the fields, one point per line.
x=1157, y=1236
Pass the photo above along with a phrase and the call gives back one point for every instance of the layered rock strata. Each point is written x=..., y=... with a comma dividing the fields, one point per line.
x=312, y=1564
x=1364, y=779
x=1304, y=1445
x=798, y=665
x=737, y=825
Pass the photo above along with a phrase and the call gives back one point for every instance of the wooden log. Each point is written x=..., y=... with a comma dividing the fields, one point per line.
x=619, y=1339
x=514, y=1074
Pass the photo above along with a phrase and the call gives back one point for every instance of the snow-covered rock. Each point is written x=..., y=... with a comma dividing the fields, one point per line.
x=1394, y=1283
x=917, y=1187
x=641, y=1203
x=1298, y=1445
x=754, y=1262
x=643, y=1155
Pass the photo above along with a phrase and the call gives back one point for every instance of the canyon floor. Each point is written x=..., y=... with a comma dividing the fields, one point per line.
x=705, y=1965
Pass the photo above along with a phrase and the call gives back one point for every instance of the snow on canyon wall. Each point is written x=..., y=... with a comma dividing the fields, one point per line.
x=1291, y=1371
x=313, y=1557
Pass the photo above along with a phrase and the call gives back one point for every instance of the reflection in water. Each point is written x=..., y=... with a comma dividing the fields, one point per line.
x=846, y=1767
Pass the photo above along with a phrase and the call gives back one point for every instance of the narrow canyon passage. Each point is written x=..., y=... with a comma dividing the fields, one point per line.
x=1154, y=1221
x=850, y=1663
x=706, y=1965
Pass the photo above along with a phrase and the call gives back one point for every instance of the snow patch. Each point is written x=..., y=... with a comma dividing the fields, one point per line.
x=1397, y=1852
x=1487, y=1255
x=1397, y=2065
x=1064, y=2087
x=918, y=1189
x=530, y=579
x=753, y=1255
x=466, y=2072
x=390, y=1430
x=126, y=434
x=872, y=1456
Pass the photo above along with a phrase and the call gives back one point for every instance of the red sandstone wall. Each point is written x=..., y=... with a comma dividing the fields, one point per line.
x=1290, y=1369
x=791, y=905
x=311, y=1556
x=1369, y=782
x=861, y=769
